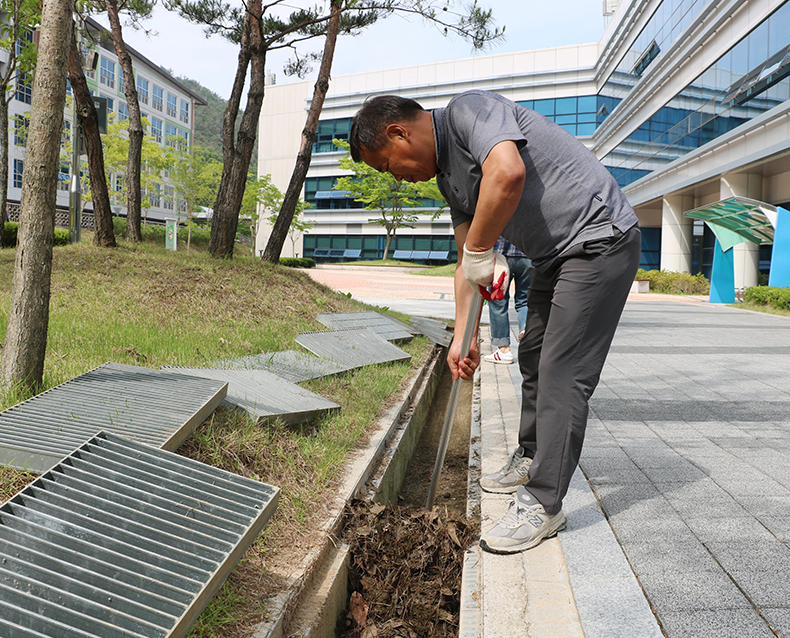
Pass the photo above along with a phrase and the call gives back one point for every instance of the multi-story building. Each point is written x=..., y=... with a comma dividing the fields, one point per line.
x=686, y=102
x=168, y=105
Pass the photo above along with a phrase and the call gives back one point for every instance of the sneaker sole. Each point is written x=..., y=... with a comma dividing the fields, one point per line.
x=499, y=362
x=503, y=490
x=514, y=549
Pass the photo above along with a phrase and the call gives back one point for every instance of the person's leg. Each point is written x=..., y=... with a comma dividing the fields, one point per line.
x=590, y=290
x=499, y=323
x=567, y=338
x=521, y=273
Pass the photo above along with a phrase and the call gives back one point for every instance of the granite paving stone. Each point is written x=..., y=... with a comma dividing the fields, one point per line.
x=721, y=623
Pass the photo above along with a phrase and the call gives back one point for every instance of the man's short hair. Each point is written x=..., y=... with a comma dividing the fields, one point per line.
x=371, y=121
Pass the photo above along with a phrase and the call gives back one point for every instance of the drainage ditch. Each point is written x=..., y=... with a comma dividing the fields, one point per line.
x=406, y=564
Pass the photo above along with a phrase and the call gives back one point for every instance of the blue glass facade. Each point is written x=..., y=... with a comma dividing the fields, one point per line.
x=750, y=79
x=328, y=130
x=577, y=115
x=669, y=20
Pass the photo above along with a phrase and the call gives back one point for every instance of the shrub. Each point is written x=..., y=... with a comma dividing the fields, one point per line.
x=297, y=262
x=778, y=298
x=675, y=283
x=10, y=234
x=61, y=237
x=11, y=229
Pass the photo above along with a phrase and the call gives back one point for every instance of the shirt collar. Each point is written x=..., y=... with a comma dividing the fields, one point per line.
x=437, y=115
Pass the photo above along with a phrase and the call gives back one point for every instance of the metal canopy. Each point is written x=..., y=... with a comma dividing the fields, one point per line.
x=753, y=220
x=355, y=348
x=123, y=540
x=265, y=396
x=289, y=364
x=153, y=406
x=435, y=330
x=383, y=325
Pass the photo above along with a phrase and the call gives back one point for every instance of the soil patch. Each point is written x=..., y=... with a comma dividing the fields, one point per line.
x=452, y=490
x=405, y=571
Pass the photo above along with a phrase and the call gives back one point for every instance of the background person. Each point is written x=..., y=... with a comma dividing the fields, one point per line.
x=520, y=273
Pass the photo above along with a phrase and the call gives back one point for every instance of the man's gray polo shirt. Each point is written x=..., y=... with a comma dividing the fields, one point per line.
x=569, y=197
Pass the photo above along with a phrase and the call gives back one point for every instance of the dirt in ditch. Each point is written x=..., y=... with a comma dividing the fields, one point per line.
x=406, y=563
x=405, y=572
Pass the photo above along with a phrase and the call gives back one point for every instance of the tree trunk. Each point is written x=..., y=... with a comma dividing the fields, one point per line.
x=274, y=246
x=28, y=319
x=236, y=157
x=104, y=235
x=3, y=166
x=133, y=190
x=389, y=241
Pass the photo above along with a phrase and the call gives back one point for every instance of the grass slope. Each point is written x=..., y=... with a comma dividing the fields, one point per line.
x=142, y=305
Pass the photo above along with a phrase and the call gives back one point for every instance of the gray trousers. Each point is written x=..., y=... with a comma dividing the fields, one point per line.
x=573, y=314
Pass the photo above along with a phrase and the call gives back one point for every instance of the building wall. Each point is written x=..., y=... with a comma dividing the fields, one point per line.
x=661, y=65
x=108, y=85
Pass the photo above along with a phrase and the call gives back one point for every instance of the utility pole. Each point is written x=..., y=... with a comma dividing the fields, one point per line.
x=75, y=191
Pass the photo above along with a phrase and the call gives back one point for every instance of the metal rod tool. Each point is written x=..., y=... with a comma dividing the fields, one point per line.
x=452, y=404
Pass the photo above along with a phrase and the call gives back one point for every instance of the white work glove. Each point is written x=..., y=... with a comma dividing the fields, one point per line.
x=486, y=269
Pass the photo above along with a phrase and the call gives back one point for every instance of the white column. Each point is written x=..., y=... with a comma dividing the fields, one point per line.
x=747, y=254
x=676, y=231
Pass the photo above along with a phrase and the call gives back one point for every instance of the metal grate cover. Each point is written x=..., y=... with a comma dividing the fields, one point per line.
x=289, y=364
x=265, y=396
x=357, y=347
x=383, y=325
x=121, y=539
x=154, y=406
x=435, y=330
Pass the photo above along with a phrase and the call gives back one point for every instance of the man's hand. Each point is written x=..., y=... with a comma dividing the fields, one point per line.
x=486, y=269
x=463, y=367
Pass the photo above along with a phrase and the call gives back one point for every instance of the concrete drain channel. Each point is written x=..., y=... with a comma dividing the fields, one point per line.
x=397, y=471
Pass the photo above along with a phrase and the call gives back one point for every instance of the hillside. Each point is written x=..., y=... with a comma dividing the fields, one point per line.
x=208, y=120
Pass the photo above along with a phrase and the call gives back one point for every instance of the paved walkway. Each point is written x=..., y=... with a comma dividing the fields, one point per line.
x=680, y=522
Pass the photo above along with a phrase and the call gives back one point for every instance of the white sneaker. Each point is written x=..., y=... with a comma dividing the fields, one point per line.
x=497, y=356
x=506, y=481
x=524, y=526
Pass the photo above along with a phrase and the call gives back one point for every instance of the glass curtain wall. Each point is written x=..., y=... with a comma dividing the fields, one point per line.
x=750, y=79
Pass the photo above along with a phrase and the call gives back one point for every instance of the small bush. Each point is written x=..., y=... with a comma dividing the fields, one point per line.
x=778, y=298
x=675, y=283
x=61, y=237
x=11, y=229
x=10, y=234
x=297, y=262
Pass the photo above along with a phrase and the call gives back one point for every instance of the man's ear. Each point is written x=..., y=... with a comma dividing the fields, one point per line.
x=397, y=131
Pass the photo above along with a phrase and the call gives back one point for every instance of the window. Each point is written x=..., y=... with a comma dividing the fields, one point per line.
x=182, y=206
x=110, y=103
x=156, y=129
x=64, y=178
x=328, y=130
x=154, y=197
x=19, y=167
x=184, y=115
x=21, y=123
x=157, y=98
x=119, y=183
x=142, y=90
x=168, y=198
x=123, y=110
x=170, y=133
x=172, y=103
x=121, y=83
x=107, y=72
x=66, y=138
x=24, y=88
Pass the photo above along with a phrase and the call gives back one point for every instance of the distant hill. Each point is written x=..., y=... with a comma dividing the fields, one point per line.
x=208, y=120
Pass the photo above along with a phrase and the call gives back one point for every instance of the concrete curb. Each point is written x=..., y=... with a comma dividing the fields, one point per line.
x=315, y=579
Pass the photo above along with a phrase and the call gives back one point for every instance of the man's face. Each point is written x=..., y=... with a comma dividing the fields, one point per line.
x=405, y=157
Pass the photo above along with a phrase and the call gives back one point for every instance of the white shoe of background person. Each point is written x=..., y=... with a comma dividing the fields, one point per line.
x=500, y=356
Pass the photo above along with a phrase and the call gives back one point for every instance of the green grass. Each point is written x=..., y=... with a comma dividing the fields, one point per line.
x=145, y=306
x=770, y=310
x=448, y=270
x=380, y=262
